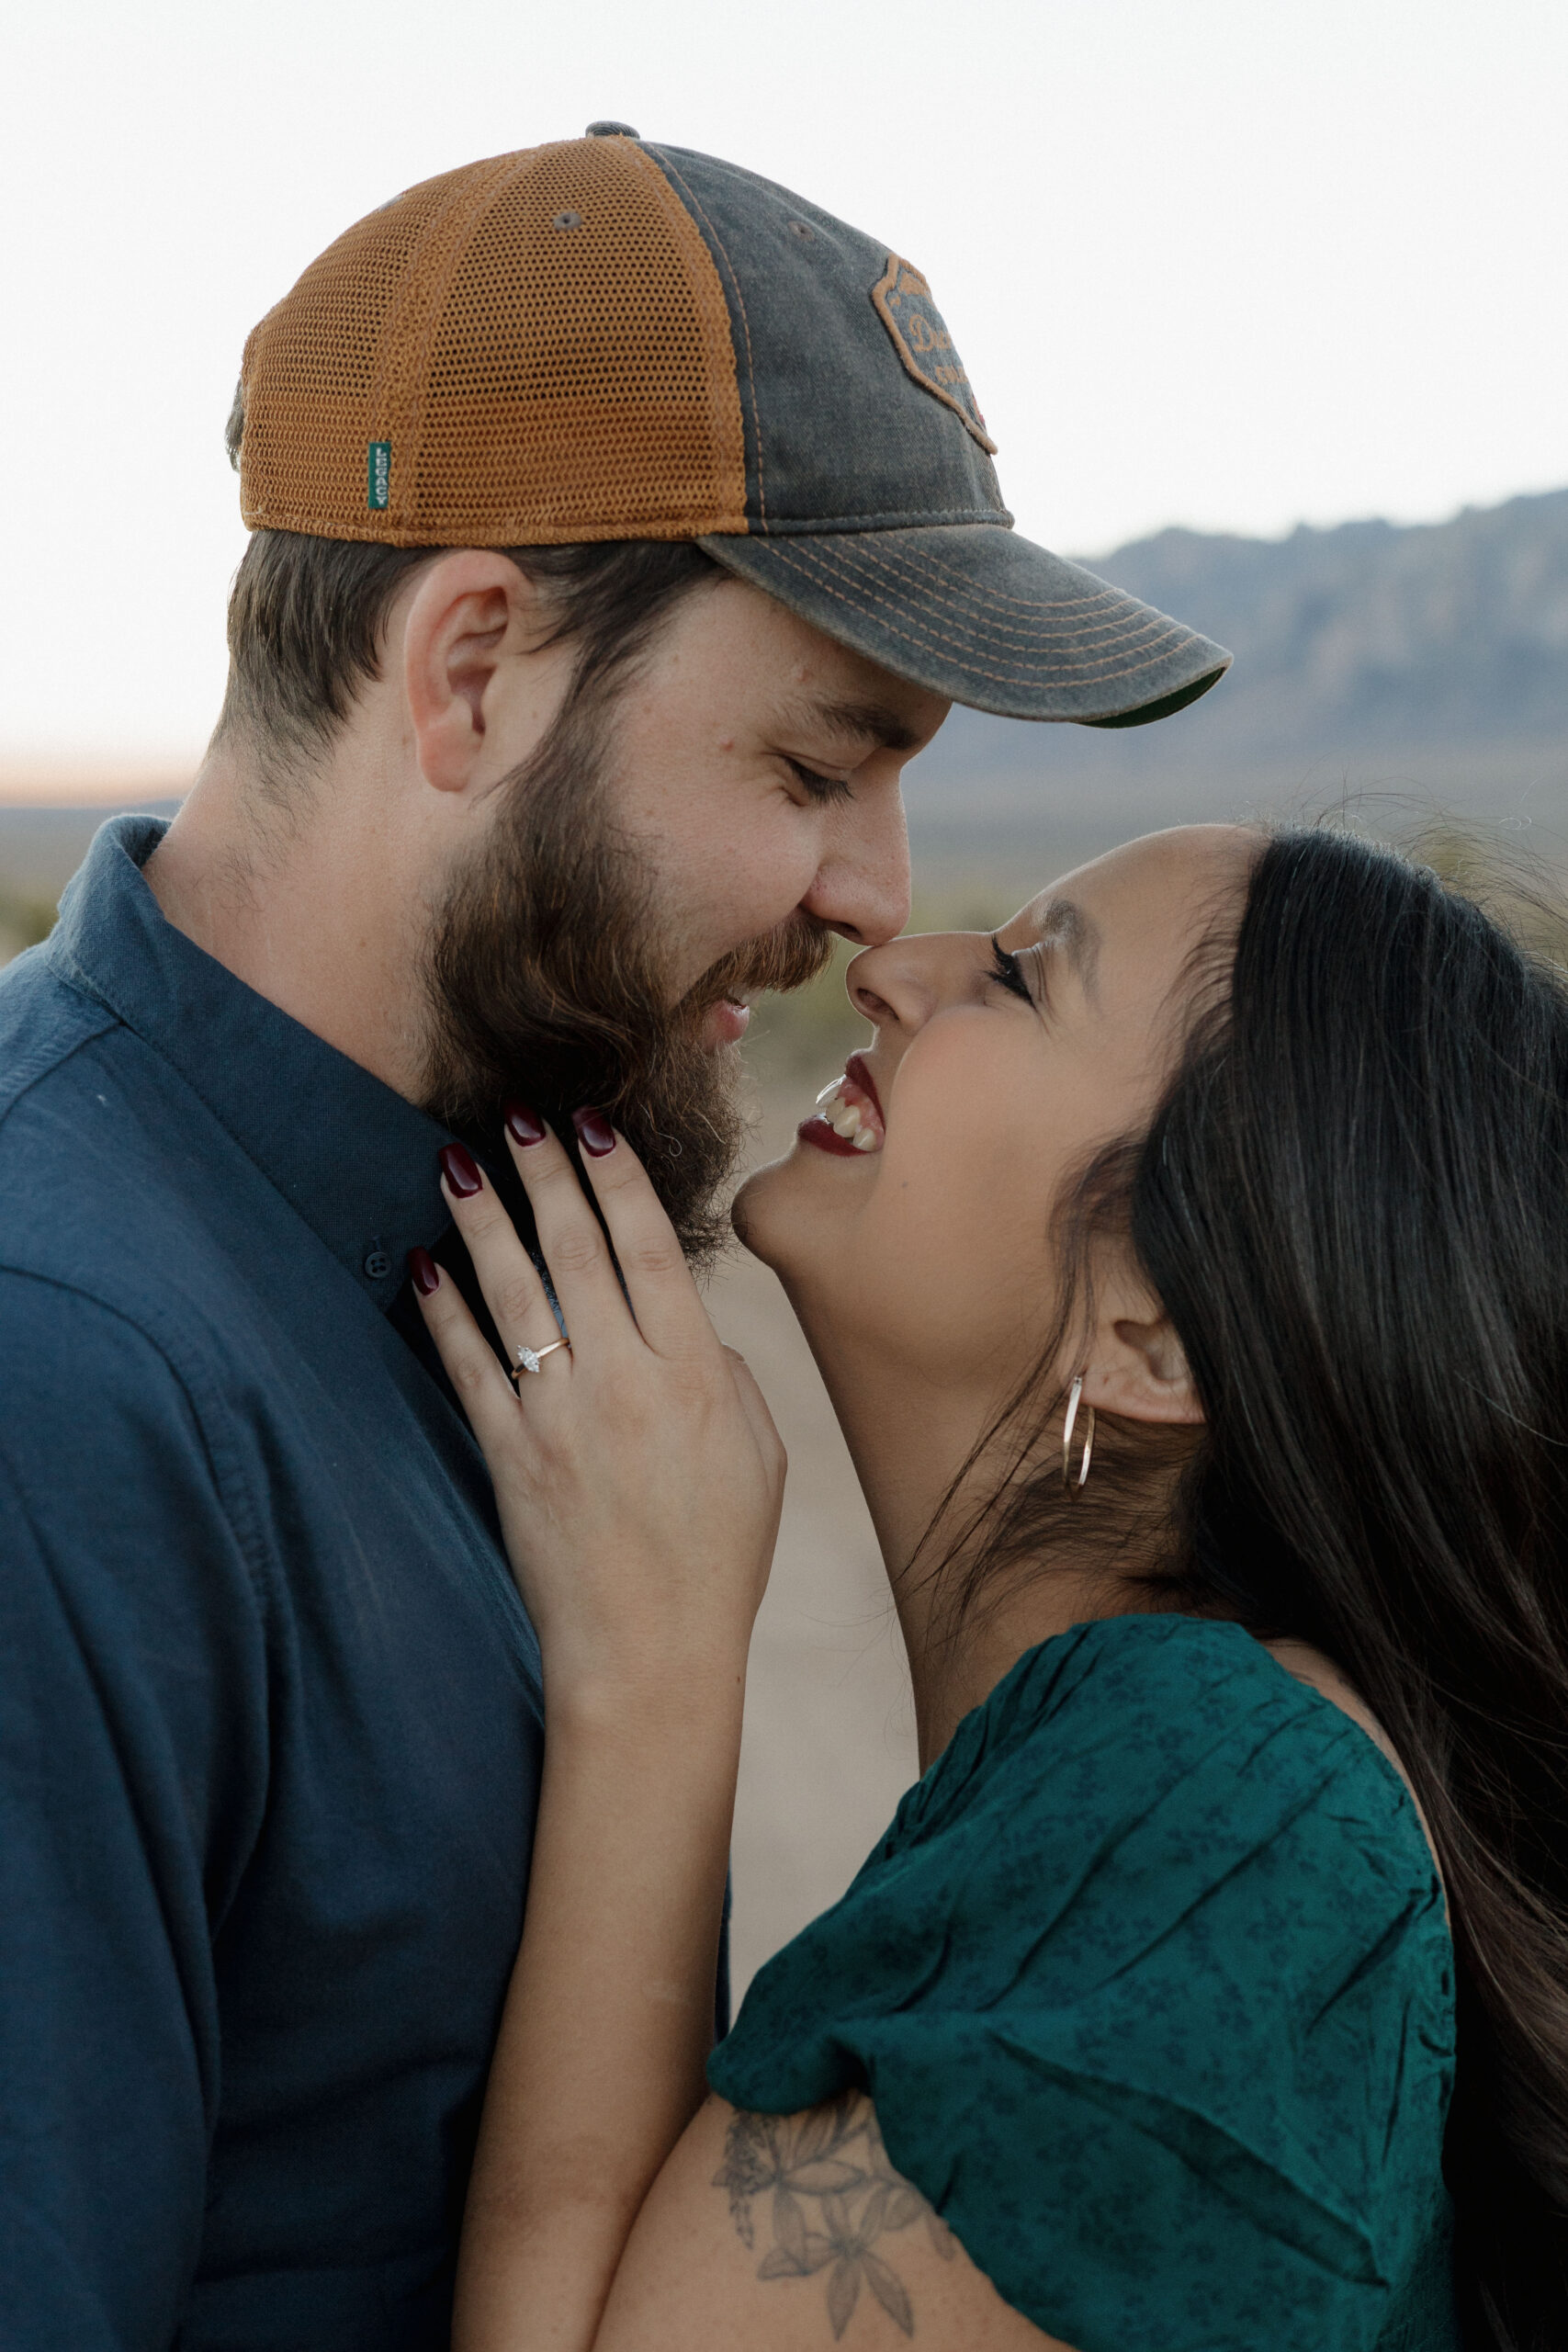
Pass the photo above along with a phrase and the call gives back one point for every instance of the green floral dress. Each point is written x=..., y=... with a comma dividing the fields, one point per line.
x=1152, y=1987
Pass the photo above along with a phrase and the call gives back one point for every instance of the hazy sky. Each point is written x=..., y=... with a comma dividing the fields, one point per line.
x=1227, y=263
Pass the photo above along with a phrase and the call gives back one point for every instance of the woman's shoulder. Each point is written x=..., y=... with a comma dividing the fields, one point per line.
x=1172, y=1726
x=1158, y=1939
x=1149, y=1817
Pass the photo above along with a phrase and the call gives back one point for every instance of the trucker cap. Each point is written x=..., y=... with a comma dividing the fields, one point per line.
x=607, y=339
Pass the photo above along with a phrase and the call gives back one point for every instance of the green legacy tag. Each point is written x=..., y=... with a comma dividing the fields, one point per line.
x=378, y=487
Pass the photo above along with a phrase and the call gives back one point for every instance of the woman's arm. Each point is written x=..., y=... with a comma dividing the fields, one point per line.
x=791, y=2233
x=609, y=2020
x=639, y=1480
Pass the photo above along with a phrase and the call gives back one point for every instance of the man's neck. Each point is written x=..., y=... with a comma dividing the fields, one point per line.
x=305, y=898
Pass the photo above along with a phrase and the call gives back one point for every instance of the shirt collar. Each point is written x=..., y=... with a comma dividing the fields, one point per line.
x=352, y=1156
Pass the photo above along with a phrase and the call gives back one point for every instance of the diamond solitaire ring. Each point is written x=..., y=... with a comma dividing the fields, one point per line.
x=530, y=1359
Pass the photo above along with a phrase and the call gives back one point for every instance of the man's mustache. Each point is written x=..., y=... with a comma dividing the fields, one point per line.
x=789, y=957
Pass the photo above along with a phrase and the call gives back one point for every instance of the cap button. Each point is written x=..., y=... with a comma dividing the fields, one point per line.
x=611, y=130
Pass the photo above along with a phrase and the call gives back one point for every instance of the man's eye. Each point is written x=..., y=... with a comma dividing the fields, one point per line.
x=1007, y=970
x=820, y=788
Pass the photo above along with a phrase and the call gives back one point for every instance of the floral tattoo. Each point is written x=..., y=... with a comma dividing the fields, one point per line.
x=831, y=2195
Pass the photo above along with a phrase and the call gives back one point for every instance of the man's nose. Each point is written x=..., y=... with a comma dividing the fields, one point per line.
x=862, y=888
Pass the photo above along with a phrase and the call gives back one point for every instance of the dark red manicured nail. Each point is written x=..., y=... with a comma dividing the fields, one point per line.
x=426, y=1272
x=522, y=1124
x=595, y=1132
x=461, y=1170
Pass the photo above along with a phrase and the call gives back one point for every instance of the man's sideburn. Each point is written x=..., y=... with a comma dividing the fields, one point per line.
x=546, y=981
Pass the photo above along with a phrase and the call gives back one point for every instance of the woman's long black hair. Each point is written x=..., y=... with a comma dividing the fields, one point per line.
x=1353, y=1203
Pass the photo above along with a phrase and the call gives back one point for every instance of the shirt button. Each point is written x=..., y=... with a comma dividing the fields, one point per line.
x=377, y=1265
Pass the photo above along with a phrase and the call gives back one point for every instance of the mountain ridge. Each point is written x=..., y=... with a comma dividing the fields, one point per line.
x=1430, y=659
x=1417, y=667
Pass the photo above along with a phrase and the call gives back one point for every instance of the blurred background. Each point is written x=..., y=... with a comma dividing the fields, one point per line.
x=1263, y=306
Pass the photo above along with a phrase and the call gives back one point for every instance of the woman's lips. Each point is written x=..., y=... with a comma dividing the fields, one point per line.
x=848, y=1121
x=816, y=1130
x=859, y=1077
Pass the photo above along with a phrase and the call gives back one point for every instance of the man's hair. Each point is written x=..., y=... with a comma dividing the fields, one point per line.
x=306, y=618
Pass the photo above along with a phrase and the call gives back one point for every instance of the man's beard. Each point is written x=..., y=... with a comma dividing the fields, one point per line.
x=547, y=982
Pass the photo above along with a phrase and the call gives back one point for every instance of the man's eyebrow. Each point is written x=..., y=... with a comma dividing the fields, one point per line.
x=1065, y=924
x=868, y=722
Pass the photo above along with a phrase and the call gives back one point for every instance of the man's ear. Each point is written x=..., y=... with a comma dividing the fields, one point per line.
x=1136, y=1365
x=469, y=611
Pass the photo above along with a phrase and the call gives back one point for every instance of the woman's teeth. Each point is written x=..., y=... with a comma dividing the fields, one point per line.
x=848, y=1118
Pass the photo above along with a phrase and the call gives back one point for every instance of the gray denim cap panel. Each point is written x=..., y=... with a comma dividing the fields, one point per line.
x=987, y=618
x=838, y=436
x=874, y=511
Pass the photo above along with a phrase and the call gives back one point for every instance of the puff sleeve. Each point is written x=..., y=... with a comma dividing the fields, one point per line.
x=1152, y=1987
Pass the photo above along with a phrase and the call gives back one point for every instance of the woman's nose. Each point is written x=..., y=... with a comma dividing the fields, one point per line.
x=909, y=979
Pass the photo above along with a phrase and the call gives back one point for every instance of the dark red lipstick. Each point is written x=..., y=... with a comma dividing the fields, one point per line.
x=857, y=1091
x=825, y=1138
x=857, y=1073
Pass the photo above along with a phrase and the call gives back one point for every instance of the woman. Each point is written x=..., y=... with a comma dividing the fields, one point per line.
x=1186, y=1266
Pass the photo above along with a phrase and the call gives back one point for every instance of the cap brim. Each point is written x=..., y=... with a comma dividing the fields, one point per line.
x=972, y=612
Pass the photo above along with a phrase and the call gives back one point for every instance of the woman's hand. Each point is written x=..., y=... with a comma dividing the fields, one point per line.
x=638, y=1474
x=638, y=1477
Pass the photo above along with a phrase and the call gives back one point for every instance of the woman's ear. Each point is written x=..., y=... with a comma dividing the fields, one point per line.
x=1137, y=1366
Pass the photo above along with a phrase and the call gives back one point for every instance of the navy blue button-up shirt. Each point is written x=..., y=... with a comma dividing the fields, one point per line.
x=270, y=1708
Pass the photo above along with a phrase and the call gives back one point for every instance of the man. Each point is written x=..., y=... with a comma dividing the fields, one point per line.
x=622, y=527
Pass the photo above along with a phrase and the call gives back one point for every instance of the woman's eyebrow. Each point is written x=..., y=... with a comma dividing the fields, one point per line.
x=1065, y=924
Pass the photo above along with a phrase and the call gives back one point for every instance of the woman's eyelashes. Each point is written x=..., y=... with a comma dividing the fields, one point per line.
x=1007, y=970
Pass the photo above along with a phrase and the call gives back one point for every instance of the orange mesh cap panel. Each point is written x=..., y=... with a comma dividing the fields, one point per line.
x=537, y=348
x=600, y=339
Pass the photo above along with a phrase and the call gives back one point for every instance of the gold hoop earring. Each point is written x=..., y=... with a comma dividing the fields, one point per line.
x=1075, y=1394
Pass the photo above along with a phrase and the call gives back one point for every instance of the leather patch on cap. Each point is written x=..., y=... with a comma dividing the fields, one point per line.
x=904, y=304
